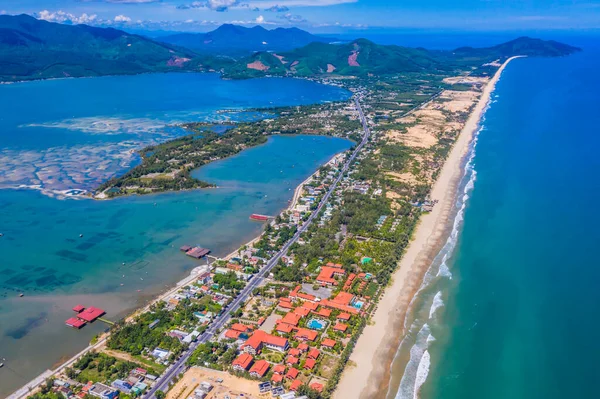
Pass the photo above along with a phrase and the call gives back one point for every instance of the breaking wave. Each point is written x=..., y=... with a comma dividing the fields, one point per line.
x=417, y=368
x=438, y=302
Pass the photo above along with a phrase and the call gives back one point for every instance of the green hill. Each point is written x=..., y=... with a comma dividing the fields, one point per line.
x=362, y=57
x=34, y=49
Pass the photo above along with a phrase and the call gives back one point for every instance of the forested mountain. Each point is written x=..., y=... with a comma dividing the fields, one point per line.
x=237, y=40
x=35, y=49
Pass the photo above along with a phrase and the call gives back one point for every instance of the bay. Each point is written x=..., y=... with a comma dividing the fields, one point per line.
x=119, y=254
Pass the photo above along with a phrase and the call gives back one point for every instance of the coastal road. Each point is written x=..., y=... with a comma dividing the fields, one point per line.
x=180, y=364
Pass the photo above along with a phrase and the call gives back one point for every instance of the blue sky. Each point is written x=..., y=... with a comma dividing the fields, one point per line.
x=318, y=15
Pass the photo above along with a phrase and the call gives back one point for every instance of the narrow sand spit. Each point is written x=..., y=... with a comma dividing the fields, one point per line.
x=375, y=349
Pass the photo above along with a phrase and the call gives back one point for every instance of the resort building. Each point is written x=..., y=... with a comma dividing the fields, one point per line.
x=242, y=362
x=327, y=274
x=260, y=368
x=260, y=338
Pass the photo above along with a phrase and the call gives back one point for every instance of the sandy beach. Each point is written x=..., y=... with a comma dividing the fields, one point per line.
x=367, y=375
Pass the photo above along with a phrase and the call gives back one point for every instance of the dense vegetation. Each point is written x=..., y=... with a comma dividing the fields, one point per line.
x=362, y=58
x=34, y=49
x=136, y=337
x=167, y=166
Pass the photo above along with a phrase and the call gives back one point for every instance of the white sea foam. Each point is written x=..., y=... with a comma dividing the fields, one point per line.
x=422, y=373
x=417, y=367
x=438, y=302
x=444, y=270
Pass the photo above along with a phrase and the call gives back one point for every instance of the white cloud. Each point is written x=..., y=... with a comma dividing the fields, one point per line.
x=277, y=8
x=260, y=19
x=256, y=5
x=122, y=18
x=66, y=17
x=298, y=3
x=215, y=5
x=293, y=18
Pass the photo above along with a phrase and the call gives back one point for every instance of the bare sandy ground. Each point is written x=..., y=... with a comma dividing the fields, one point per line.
x=231, y=386
x=375, y=349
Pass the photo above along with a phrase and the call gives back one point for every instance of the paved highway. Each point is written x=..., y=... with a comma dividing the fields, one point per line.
x=180, y=365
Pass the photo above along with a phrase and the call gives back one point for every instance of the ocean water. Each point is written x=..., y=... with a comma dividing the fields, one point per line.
x=509, y=309
x=128, y=248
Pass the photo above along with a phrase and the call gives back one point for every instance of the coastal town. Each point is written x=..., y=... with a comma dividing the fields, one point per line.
x=280, y=316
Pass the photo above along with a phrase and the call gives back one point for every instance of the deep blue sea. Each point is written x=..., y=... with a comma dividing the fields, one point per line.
x=70, y=134
x=511, y=307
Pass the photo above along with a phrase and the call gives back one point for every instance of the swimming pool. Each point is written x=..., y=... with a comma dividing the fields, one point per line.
x=358, y=304
x=317, y=324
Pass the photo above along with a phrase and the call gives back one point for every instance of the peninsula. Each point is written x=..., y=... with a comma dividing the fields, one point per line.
x=327, y=281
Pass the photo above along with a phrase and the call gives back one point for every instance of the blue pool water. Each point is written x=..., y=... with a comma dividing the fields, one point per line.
x=316, y=324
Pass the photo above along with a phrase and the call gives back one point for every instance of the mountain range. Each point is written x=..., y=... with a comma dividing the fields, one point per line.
x=363, y=57
x=35, y=49
x=237, y=40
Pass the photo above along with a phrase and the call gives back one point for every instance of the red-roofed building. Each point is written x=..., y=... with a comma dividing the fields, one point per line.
x=343, y=298
x=242, y=362
x=315, y=386
x=277, y=378
x=231, y=334
x=303, y=347
x=349, y=281
x=294, y=352
x=255, y=343
x=90, y=314
x=310, y=364
x=285, y=303
x=284, y=328
x=327, y=274
x=304, y=334
x=344, y=316
x=340, y=327
x=290, y=318
x=75, y=322
x=260, y=368
x=314, y=353
x=310, y=305
x=240, y=327
x=295, y=385
x=79, y=308
x=291, y=360
x=301, y=311
x=279, y=369
x=292, y=373
x=296, y=294
x=323, y=312
x=328, y=343
x=335, y=305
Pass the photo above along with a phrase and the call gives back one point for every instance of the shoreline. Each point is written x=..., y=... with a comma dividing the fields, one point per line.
x=370, y=362
x=61, y=364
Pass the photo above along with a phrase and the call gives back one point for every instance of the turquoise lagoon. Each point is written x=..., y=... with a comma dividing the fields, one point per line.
x=71, y=134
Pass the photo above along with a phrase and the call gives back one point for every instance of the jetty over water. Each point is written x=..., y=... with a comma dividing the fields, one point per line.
x=84, y=315
x=195, y=252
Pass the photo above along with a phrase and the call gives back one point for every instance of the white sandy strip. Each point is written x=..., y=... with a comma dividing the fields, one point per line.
x=368, y=376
